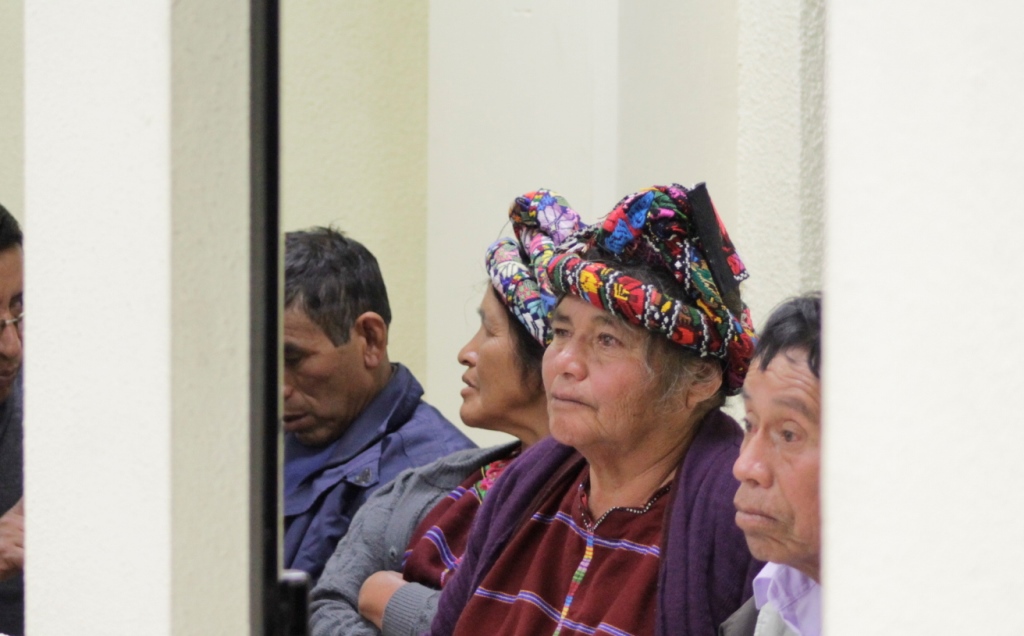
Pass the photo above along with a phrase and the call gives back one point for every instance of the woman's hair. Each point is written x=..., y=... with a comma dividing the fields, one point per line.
x=529, y=354
x=678, y=368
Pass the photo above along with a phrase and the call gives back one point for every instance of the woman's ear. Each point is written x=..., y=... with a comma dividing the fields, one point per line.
x=373, y=331
x=705, y=383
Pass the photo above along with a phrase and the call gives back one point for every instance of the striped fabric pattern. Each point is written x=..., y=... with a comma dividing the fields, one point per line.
x=438, y=543
x=563, y=574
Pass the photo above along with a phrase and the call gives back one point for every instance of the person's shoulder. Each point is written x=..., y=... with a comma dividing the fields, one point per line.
x=420, y=437
x=451, y=470
x=427, y=422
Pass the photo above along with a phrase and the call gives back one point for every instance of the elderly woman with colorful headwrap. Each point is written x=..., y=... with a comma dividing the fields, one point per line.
x=622, y=522
x=406, y=541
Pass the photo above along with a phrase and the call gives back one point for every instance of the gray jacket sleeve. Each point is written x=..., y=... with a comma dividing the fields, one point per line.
x=378, y=537
x=410, y=610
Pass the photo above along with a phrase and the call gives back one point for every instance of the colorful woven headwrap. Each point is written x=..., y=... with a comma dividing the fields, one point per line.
x=541, y=221
x=676, y=230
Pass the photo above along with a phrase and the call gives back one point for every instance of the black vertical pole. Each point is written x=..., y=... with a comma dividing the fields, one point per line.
x=265, y=281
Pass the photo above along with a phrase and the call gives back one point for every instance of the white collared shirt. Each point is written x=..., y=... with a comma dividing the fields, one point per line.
x=794, y=595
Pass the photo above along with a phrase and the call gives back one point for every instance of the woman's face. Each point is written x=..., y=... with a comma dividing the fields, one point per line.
x=495, y=396
x=600, y=389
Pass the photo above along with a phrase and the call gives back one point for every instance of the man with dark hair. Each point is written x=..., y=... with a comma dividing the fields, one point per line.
x=777, y=503
x=12, y=514
x=352, y=419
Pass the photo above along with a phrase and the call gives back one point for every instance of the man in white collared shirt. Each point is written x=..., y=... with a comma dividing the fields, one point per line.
x=777, y=503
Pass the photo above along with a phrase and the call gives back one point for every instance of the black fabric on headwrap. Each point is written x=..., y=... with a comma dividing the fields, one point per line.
x=709, y=232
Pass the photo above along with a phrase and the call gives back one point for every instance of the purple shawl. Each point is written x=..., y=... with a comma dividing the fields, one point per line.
x=706, y=569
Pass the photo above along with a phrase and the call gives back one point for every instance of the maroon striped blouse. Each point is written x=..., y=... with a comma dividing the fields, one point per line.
x=439, y=541
x=564, y=573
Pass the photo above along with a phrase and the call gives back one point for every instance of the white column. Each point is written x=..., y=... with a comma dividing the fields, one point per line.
x=137, y=358
x=924, y=515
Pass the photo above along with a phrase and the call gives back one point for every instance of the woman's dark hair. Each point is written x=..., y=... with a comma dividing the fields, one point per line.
x=795, y=324
x=529, y=354
x=334, y=279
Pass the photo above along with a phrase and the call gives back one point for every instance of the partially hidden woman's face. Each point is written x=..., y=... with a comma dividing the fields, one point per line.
x=495, y=396
x=600, y=389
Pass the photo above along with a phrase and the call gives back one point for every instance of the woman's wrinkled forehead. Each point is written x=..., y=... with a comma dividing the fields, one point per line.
x=577, y=312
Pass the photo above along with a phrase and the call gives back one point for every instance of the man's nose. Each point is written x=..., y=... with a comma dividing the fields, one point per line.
x=10, y=343
x=751, y=466
x=288, y=385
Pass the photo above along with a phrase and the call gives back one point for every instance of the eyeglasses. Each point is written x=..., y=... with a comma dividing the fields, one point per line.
x=18, y=322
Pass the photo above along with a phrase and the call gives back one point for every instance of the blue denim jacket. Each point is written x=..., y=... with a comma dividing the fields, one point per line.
x=325, y=486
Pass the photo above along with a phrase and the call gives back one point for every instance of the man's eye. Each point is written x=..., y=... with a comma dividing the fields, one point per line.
x=788, y=436
x=747, y=426
x=560, y=333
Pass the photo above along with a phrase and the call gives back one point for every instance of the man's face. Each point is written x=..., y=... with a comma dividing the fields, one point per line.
x=325, y=386
x=777, y=503
x=11, y=306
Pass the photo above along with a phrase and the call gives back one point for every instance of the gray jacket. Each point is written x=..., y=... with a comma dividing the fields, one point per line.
x=377, y=539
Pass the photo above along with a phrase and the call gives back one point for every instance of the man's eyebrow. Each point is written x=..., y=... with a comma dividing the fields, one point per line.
x=796, y=405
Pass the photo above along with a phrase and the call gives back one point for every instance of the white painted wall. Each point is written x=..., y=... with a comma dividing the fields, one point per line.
x=679, y=92
x=923, y=515
x=12, y=108
x=137, y=355
x=209, y=295
x=354, y=141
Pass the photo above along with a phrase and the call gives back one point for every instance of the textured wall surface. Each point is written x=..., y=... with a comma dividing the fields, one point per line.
x=210, y=317
x=924, y=515
x=354, y=141
x=678, y=98
x=12, y=110
x=137, y=361
x=780, y=157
